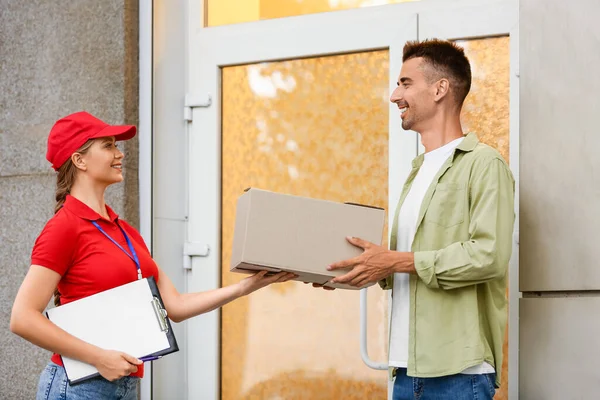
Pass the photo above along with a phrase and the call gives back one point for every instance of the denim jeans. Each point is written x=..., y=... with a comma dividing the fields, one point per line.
x=53, y=385
x=453, y=387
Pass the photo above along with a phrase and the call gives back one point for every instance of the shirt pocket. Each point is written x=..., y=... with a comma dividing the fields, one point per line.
x=446, y=208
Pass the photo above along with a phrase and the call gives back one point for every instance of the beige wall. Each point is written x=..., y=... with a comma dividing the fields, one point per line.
x=560, y=193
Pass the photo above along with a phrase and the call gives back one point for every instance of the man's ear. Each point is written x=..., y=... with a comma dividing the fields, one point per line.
x=78, y=161
x=442, y=88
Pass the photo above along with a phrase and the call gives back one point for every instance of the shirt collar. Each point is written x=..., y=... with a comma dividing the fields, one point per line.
x=471, y=141
x=83, y=211
x=468, y=144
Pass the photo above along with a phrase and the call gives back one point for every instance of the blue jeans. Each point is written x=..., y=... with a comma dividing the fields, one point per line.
x=53, y=385
x=452, y=387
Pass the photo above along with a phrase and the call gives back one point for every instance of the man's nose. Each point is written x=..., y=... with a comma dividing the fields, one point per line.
x=396, y=96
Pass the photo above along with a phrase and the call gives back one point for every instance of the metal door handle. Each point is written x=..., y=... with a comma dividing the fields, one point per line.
x=363, y=334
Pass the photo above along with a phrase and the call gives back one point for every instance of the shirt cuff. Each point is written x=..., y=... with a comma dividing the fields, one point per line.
x=425, y=266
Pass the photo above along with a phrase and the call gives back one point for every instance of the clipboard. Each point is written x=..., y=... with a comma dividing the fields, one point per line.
x=129, y=318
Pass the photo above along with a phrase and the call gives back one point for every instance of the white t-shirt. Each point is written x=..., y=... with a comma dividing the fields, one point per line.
x=407, y=226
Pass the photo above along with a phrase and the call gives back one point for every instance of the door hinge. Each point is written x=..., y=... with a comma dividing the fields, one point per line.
x=193, y=249
x=195, y=101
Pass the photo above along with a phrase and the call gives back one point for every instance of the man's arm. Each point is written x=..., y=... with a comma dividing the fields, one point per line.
x=374, y=264
x=482, y=258
x=486, y=254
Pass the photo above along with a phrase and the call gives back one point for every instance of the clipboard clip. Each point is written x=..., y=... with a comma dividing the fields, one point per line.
x=161, y=314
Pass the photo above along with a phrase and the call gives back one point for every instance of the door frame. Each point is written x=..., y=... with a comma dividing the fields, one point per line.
x=210, y=49
x=262, y=42
x=145, y=147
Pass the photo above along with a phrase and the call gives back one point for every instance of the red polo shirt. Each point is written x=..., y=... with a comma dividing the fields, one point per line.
x=88, y=261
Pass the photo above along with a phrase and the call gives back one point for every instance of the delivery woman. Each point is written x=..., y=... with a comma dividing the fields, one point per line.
x=85, y=248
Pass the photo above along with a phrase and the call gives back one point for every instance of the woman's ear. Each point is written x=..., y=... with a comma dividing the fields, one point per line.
x=78, y=161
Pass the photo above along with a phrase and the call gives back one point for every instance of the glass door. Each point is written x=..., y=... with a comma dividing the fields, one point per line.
x=298, y=105
x=301, y=106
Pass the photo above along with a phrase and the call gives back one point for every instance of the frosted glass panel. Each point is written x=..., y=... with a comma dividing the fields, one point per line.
x=486, y=108
x=224, y=12
x=312, y=127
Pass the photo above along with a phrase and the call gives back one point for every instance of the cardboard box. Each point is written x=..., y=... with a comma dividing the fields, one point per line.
x=279, y=232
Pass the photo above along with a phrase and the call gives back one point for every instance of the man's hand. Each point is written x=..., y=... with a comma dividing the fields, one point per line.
x=374, y=264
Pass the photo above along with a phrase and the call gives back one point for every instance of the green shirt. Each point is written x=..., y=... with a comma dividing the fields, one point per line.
x=462, y=246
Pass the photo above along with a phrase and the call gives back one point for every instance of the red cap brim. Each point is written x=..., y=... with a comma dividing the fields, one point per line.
x=120, y=132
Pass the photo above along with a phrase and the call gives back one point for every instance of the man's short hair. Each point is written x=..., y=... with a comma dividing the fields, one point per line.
x=446, y=60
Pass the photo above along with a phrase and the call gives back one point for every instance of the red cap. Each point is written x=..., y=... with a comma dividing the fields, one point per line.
x=71, y=132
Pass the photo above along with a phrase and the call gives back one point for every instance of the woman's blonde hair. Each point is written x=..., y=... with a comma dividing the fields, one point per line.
x=64, y=182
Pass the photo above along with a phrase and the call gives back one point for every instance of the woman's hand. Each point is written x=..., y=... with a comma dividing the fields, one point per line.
x=260, y=280
x=114, y=365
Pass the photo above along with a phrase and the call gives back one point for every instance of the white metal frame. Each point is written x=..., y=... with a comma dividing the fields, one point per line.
x=209, y=49
x=313, y=35
x=513, y=271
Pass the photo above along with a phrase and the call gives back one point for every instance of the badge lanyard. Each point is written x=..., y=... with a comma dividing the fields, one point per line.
x=133, y=254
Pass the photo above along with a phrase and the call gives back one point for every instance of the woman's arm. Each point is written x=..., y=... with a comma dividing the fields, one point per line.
x=28, y=322
x=181, y=306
